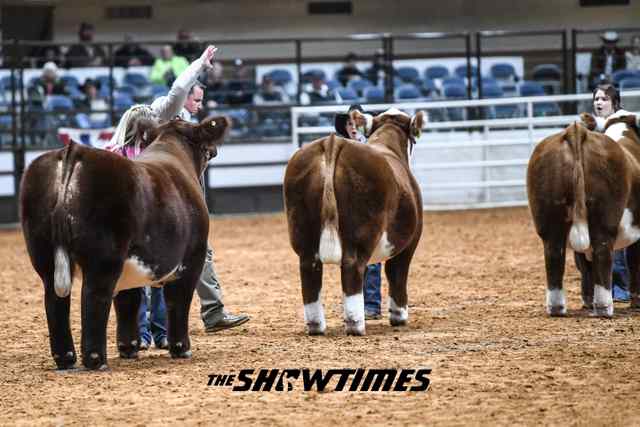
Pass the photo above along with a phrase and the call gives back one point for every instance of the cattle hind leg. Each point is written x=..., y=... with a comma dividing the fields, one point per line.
x=311, y=277
x=57, y=308
x=586, y=279
x=127, y=304
x=352, y=275
x=554, y=261
x=602, y=262
x=97, y=293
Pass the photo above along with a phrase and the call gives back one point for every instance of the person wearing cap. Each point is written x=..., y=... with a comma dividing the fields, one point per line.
x=349, y=70
x=183, y=101
x=372, y=277
x=318, y=91
x=607, y=59
x=84, y=54
x=633, y=54
x=49, y=83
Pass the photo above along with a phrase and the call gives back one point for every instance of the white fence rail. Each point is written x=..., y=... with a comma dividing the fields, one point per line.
x=470, y=163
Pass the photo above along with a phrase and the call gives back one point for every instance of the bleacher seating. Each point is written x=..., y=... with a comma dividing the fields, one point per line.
x=436, y=72
x=359, y=85
x=620, y=75
x=461, y=71
x=408, y=74
x=454, y=91
x=548, y=75
x=503, y=71
x=407, y=92
x=374, y=94
x=347, y=94
x=280, y=76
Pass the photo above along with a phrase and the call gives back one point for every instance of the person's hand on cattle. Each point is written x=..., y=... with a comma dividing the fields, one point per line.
x=207, y=56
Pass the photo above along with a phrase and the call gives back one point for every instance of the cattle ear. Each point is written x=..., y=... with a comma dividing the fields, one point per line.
x=417, y=123
x=588, y=121
x=363, y=121
x=146, y=131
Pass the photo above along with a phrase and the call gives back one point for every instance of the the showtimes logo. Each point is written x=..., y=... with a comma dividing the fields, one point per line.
x=353, y=380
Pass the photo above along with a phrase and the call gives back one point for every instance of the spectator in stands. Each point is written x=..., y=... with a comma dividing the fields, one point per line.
x=214, y=85
x=318, y=92
x=606, y=59
x=633, y=54
x=372, y=276
x=167, y=67
x=379, y=68
x=187, y=46
x=349, y=70
x=95, y=107
x=48, y=84
x=84, y=54
x=269, y=93
x=131, y=54
x=44, y=54
x=240, y=70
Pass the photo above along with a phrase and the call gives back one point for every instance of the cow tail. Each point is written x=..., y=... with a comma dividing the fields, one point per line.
x=579, y=233
x=61, y=227
x=330, y=250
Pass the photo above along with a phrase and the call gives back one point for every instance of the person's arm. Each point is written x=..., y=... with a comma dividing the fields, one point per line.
x=168, y=107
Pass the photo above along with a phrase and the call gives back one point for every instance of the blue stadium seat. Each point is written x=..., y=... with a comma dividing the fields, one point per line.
x=408, y=74
x=407, y=92
x=122, y=101
x=620, y=75
x=454, y=91
x=70, y=81
x=546, y=72
x=333, y=84
x=529, y=88
x=347, y=94
x=453, y=81
x=58, y=103
x=503, y=71
x=158, y=91
x=630, y=83
x=461, y=71
x=428, y=88
x=129, y=90
x=137, y=80
x=314, y=72
x=436, y=72
x=493, y=90
x=374, y=94
x=280, y=76
x=359, y=85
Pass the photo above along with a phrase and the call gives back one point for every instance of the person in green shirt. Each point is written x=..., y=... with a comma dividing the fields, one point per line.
x=167, y=67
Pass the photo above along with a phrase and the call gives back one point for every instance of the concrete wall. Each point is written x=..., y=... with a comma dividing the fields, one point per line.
x=225, y=19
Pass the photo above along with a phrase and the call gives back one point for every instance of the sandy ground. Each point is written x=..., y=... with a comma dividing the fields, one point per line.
x=476, y=318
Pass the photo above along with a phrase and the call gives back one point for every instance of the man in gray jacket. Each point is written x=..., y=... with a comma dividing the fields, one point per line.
x=183, y=100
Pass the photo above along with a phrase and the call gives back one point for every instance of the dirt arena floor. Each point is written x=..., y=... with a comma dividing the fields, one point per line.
x=476, y=319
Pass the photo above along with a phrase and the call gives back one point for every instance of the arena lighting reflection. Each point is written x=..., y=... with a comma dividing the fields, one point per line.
x=368, y=36
x=427, y=35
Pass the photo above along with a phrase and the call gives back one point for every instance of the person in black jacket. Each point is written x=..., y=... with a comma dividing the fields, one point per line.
x=606, y=59
x=84, y=54
x=131, y=54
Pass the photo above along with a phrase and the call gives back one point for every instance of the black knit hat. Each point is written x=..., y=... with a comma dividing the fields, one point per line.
x=340, y=121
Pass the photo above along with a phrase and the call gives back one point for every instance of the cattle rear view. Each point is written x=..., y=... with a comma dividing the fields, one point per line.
x=352, y=205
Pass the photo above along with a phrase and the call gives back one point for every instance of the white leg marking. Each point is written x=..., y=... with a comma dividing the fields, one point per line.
x=602, y=301
x=354, y=314
x=330, y=251
x=579, y=236
x=628, y=234
x=556, y=302
x=314, y=318
x=397, y=315
x=62, y=273
x=382, y=251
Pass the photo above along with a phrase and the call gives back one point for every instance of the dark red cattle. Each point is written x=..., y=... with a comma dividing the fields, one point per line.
x=584, y=192
x=355, y=204
x=121, y=224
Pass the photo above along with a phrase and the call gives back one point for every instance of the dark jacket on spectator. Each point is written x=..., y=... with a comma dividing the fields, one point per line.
x=599, y=62
x=128, y=51
x=82, y=55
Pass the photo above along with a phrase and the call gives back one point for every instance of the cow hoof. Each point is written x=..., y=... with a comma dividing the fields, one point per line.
x=557, y=311
x=355, y=328
x=602, y=311
x=181, y=355
x=67, y=361
x=398, y=321
x=316, y=328
x=128, y=351
x=94, y=361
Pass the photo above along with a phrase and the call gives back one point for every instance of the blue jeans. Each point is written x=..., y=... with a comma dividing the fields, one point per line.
x=154, y=325
x=620, y=280
x=372, y=295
